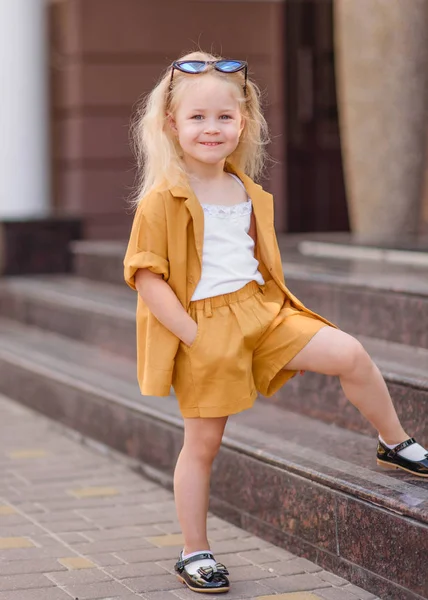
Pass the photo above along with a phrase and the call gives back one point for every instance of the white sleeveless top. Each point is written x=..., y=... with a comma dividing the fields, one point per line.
x=228, y=262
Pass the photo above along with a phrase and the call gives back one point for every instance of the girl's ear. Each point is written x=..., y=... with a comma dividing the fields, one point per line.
x=171, y=122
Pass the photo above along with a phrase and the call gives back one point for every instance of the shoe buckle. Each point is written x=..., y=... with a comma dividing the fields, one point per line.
x=394, y=451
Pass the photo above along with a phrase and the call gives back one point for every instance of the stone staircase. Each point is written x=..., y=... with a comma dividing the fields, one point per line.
x=298, y=469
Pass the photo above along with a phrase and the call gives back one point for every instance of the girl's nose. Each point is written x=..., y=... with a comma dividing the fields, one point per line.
x=211, y=128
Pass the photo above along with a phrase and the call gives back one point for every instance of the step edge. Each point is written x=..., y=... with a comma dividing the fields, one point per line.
x=339, y=282
x=87, y=305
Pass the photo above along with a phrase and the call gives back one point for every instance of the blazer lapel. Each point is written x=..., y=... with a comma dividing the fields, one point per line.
x=195, y=209
x=263, y=211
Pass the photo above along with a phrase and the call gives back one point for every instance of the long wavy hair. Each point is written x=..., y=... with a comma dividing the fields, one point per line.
x=158, y=154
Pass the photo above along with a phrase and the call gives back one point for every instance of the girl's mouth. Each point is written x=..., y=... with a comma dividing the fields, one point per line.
x=210, y=143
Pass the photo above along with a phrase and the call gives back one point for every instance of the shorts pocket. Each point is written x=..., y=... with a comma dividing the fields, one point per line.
x=189, y=349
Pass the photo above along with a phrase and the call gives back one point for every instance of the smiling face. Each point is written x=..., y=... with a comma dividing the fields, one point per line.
x=207, y=121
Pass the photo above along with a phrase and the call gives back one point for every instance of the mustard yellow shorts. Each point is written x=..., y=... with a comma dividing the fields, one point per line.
x=243, y=342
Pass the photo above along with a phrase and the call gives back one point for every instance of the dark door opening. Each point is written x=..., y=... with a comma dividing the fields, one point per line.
x=315, y=185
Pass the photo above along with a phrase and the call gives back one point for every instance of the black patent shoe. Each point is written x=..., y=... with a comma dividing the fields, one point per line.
x=207, y=579
x=390, y=459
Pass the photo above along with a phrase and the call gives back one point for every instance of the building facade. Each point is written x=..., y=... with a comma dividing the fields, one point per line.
x=103, y=55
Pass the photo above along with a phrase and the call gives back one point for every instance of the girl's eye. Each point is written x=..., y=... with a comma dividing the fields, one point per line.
x=225, y=117
x=197, y=117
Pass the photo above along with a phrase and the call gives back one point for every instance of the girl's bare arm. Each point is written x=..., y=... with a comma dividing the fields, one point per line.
x=164, y=304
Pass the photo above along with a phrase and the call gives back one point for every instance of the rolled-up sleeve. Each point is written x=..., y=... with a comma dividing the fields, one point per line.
x=148, y=244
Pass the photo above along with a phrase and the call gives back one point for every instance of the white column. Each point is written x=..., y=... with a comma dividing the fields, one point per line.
x=24, y=113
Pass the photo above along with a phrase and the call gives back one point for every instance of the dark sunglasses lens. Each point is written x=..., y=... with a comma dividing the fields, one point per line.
x=194, y=66
x=230, y=66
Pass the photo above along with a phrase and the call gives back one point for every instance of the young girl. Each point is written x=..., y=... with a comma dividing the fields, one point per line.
x=214, y=316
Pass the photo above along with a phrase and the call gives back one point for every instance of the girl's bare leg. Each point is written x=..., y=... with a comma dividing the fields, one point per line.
x=202, y=439
x=334, y=352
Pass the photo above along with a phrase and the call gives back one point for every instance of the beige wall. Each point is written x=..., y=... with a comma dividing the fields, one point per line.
x=106, y=53
x=381, y=56
x=424, y=210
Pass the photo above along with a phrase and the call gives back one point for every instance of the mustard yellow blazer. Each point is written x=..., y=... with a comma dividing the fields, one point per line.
x=167, y=237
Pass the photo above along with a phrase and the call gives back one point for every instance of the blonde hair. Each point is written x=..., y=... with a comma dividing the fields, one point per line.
x=157, y=151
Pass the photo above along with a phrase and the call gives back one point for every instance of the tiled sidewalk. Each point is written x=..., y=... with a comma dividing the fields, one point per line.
x=77, y=522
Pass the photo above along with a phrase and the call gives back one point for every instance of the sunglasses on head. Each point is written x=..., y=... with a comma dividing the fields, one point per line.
x=199, y=66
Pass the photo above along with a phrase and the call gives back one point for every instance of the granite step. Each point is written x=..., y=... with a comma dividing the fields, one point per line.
x=99, y=260
x=373, y=298
x=99, y=313
x=310, y=487
x=103, y=315
x=377, y=298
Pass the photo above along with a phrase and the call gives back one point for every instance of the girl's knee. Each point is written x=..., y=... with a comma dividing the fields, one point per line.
x=205, y=450
x=355, y=356
x=204, y=440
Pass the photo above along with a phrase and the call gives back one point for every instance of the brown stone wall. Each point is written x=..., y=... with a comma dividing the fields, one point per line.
x=106, y=53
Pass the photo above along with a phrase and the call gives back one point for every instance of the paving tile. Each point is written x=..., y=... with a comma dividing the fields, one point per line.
x=28, y=508
x=30, y=566
x=167, y=540
x=249, y=572
x=72, y=537
x=15, y=582
x=91, y=492
x=229, y=533
x=169, y=527
x=280, y=553
x=359, y=592
x=105, y=560
x=24, y=529
x=215, y=522
x=92, y=591
x=15, y=542
x=29, y=553
x=112, y=545
x=97, y=535
x=7, y=510
x=148, y=555
x=78, y=576
x=76, y=562
x=49, y=517
x=293, y=566
x=261, y=557
x=295, y=583
x=69, y=502
x=250, y=543
x=40, y=594
x=68, y=526
x=292, y=596
x=160, y=596
x=332, y=578
x=131, y=596
x=17, y=519
x=233, y=560
x=115, y=510
x=28, y=453
x=337, y=594
x=136, y=570
x=152, y=583
x=241, y=589
x=47, y=540
x=130, y=519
